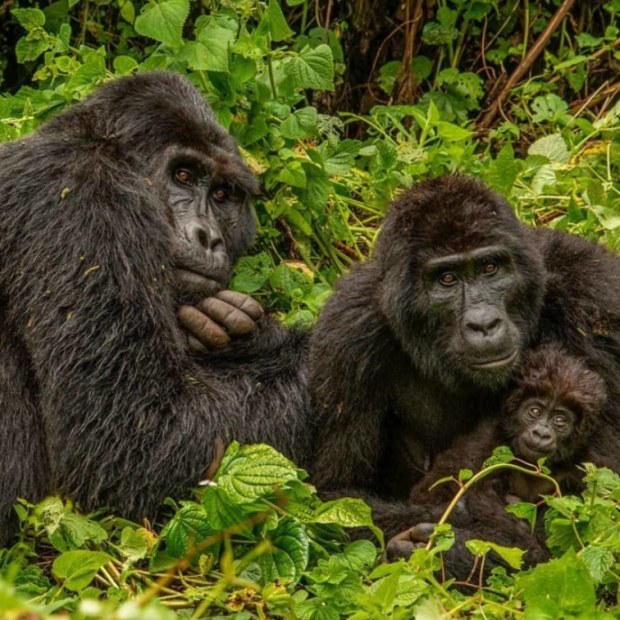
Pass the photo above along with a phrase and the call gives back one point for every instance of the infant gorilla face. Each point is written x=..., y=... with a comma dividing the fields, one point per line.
x=544, y=426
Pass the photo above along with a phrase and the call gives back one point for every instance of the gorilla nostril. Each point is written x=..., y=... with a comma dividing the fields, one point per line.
x=202, y=237
x=217, y=245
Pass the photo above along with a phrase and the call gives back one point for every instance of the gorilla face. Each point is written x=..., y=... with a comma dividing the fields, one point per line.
x=470, y=293
x=209, y=206
x=462, y=284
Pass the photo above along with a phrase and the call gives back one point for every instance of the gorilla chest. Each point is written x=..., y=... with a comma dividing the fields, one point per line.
x=424, y=419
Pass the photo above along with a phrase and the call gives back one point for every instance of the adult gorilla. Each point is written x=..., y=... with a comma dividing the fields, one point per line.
x=417, y=343
x=111, y=215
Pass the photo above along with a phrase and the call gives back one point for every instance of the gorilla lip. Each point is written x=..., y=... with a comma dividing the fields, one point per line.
x=498, y=362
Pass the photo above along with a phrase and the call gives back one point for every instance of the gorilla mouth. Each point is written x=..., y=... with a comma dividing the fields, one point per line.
x=531, y=453
x=498, y=362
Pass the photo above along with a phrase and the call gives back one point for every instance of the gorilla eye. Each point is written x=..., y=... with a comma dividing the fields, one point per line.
x=220, y=194
x=490, y=267
x=535, y=412
x=447, y=278
x=184, y=176
x=560, y=421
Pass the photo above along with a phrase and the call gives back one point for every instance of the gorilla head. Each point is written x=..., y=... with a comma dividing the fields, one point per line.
x=462, y=285
x=554, y=408
x=199, y=180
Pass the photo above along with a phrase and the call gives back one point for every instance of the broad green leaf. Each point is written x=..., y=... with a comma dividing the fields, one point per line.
x=347, y=512
x=78, y=568
x=545, y=176
x=29, y=18
x=278, y=28
x=221, y=511
x=524, y=510
x=503, y=170
x=135, y=544
x=300, y=124
x=452, y=132
x=188, y=528
x=598, y=561
x=33, y=45
x=501, y=454
x=124, y=65
x=254, y=471
x=558, y=589
x=552, y=147
x=251, y=273
x=288, y=557
x=313, y=68
x=163, y=21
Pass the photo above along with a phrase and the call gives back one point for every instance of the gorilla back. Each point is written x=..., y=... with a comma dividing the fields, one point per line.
x=112, y=214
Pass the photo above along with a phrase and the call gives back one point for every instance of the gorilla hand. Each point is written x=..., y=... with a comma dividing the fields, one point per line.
x=402, y=545
x=213, y=320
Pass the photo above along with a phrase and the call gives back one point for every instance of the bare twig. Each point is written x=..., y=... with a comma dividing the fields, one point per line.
x=525, y=65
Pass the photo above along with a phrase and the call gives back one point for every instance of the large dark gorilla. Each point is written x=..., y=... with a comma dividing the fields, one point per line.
x=418, y=343
x=111, y=215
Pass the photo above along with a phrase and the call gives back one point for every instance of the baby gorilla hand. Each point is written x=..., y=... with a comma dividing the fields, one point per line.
x=212, y=322
x=402, y=545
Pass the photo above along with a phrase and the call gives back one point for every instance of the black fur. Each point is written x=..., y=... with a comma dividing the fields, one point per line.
x=101, y=399
x=387, y=381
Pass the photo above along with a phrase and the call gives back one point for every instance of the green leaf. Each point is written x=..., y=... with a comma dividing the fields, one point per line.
x=163, y=21
x=502, y=172
x=78, y=568
x=524, y=510
x=347, y=512
x=188, y=528
x=452, y=133
x=289, y=554
x=558, y=589
x=124, y=65
x=552, y=147
x=135, y=543
x=501, y=454
x=29, y=18
x=278, y=28
x=221, y=511
x=300, y=124
x=251, y=273
x=598, y=561
x=33, y=45
x=511, y=555
x=253, y=471
x=313, y=68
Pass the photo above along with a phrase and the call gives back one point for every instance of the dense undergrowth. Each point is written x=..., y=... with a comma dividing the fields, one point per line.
x=336, y=106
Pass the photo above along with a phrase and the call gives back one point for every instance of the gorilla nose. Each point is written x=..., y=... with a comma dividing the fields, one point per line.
x=200, y=236
x=483, y=327
x=542, y=434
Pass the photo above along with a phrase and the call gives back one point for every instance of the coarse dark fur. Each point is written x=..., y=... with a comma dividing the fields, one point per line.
x=390, y=374
x=101, y=399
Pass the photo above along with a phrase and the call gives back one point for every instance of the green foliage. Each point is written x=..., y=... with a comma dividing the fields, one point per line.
x=256, y=541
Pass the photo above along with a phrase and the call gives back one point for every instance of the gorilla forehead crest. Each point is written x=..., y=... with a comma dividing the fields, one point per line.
x=436, y=217
x=144, y=113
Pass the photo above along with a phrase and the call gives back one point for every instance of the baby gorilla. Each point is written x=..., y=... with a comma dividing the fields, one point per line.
x=551, y=412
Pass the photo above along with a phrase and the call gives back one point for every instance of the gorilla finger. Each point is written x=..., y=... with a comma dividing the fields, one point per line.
x=397, y=549
x=234, y=320
x=244, y=302
x=195, y=344
x=202, y=327
x=421, y=532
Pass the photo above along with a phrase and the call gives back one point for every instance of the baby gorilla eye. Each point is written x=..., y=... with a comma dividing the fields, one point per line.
x=183, y=176
x=560, y=421
x=535, y=412
x=447, y=278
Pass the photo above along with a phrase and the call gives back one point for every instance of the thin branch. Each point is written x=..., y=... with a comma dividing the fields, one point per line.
x=525, y=65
